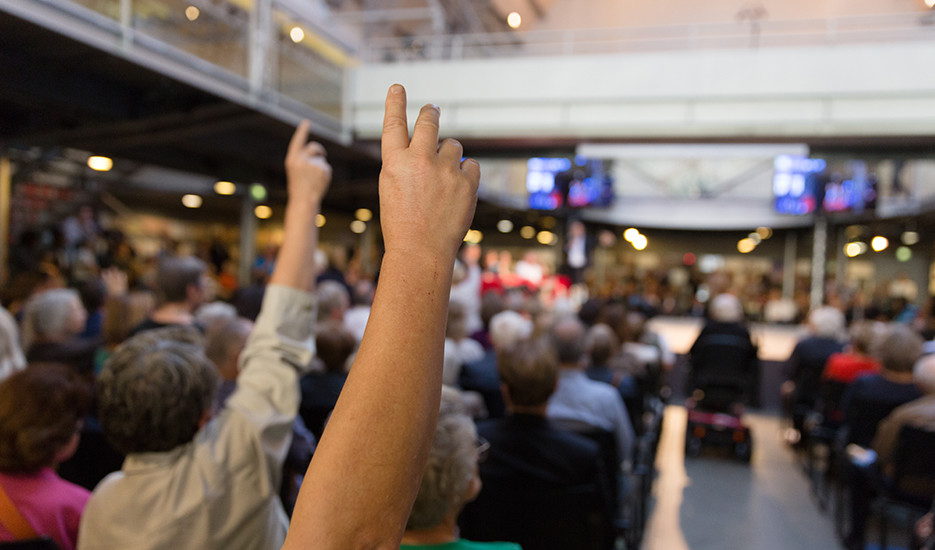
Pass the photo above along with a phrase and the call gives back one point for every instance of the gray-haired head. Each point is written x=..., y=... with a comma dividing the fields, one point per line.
x=333, y=301
x=508, y=328
x=213, y=314
x=827, y=322
x=451, y=466
x=898, y=348
x=52, y=314
x=155, y=390
x=11, y=354
x=726, y=308
x=601, y=344
x=923, y=374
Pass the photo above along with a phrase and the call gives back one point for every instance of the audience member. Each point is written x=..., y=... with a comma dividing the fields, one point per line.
x=466, y=283
x=507, y=329
x=807, y=363
x=40, y=420
x=333, y=301
x=11, y=354
x=581, y=402
x=451, y=480
x=190, y=480
x=602, y=347
x=320, y=390
x=491, y=303
x=459, y=349
x=181, y=286
x=52, y=323
x=211, y=315
x=897, y=350
x=856, y=358
x=355, y=319
x=919, y=412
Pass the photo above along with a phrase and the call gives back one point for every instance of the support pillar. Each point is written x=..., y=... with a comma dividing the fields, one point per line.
x=819, y=253
x=788, y=266
x=248, y=225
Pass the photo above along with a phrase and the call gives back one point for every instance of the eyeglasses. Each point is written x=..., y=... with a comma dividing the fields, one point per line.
x=483, y=448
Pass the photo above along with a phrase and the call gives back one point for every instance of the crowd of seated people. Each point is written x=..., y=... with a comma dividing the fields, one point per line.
x=851, y=392
x=204, y=406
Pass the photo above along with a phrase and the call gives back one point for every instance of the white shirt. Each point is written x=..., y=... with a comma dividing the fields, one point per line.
x=222, y=489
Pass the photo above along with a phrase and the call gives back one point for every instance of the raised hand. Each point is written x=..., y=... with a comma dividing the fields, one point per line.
x=427, y=194
x=308, y=173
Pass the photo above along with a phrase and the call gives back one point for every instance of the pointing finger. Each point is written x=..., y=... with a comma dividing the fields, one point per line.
x=298, y=139
x=425, y=131
x=395, y=127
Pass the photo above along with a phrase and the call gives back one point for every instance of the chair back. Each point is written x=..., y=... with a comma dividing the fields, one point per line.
x=539, y=518
x=830, y=394
x=723, y=367
x=40, y=543
x=914, y=465
x=864, y=417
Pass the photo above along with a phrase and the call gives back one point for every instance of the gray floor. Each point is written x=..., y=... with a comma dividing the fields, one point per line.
x=715, y=502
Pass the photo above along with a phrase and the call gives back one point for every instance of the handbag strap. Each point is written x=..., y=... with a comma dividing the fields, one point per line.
x=13, y=520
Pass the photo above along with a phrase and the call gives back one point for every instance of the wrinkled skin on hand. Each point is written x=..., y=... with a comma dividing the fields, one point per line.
x=427, y=194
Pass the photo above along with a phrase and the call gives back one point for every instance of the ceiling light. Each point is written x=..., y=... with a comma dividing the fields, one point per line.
x=514, y=20
x=191, y=201
x=297, y=34
x=504, y=226
x=263, y=212
x=192, y=13
x=854, y=249
x=910, y=238
x=320, y=220
x=631, y=234
x=473, y=236
x=358, y=226
x=745, y=246
x=527, y=232
x=640, y=242
x=903, y=253
x=545, y=237
x=224, y=188
x=879, y=243
x=363, y=214
x=930, y=3
x=101, y=164
x=755, y=237
x=764, y=232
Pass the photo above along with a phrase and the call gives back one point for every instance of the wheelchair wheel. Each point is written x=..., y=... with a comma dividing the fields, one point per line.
x=743, y=450
x=693, y=446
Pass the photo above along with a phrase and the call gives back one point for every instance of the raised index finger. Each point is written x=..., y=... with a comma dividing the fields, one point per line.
x=298, y=139
x=395, y=127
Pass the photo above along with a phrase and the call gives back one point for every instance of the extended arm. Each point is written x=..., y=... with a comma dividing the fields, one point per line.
x=368, y=466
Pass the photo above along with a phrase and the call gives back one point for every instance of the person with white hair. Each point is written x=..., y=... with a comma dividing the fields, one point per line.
x=507, y=328
x=450, y=481
x=826, y=331
x=11, y=354
x=726, y=317
x=52, y=324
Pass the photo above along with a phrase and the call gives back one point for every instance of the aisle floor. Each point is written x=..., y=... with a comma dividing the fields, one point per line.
x=714, y=502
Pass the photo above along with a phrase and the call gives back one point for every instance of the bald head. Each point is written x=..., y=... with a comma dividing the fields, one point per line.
x=567, y=336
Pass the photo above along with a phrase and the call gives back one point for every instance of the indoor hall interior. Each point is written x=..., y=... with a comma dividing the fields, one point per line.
x=780, y=150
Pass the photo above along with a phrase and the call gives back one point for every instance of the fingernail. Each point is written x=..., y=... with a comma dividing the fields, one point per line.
x=436, y=107
x=396, y=89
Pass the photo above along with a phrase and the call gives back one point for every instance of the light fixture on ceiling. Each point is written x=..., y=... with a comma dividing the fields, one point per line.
x=192, y=13
x=514, y=20
x=100, y=164
x=191, y=201
x=296, y=34
x=263, y=212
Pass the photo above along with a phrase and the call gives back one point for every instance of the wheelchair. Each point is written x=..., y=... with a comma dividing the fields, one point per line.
x=723, y=369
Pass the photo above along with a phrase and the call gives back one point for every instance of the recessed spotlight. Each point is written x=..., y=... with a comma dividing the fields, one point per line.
x=192, y=13
x=296, y=34
x=263, y=212
x=101, y=164
x=514, y=20
x=358, y=226
x=320, y=220
x=224, y=188
x=504, y=226
x=363, y=214
x=191, y=201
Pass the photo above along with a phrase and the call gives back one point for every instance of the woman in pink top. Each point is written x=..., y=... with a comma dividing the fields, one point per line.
x=40, y=420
